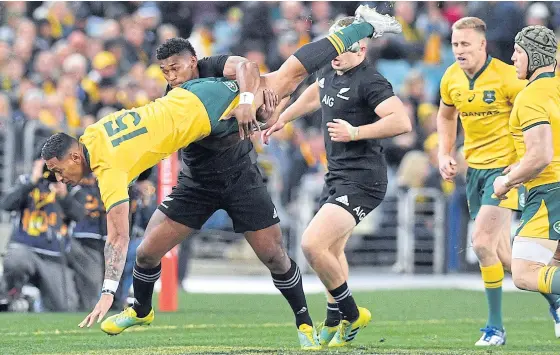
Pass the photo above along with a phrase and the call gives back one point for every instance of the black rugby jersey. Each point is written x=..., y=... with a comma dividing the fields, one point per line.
x=353, y=97
x=215, y=155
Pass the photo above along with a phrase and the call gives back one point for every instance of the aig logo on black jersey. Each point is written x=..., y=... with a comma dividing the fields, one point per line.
x=327, y=100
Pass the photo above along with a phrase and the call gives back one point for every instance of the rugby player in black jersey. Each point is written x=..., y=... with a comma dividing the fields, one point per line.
x=216, y=175
x=359, y=109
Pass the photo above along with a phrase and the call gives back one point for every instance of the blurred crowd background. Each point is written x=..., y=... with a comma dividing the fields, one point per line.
x=64, y=65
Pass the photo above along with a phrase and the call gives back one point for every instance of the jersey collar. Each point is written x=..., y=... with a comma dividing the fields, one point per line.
x=86, y=154
x=471, y=81
x=549, y=74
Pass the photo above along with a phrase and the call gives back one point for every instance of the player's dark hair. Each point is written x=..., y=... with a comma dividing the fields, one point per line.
x=174, y=46
x=57, y=146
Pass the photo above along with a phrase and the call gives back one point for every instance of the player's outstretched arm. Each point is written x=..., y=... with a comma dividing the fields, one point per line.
x=116, y=248
x=447, y=135
x=393, y=121
x=539, y=153
x=307, y=102
x=248, y=77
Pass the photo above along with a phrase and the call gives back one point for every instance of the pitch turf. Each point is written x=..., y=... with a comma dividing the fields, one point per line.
x=404, y=322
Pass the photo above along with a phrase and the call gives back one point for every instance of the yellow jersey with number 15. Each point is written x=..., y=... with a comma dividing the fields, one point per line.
x=538, y=103
x=124, y=144
x=484, y=104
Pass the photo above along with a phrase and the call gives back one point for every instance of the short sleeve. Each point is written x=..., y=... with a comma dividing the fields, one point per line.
x=376, y=89
x=444, y=91
x=212, y=66
x=530, y=114
x=113, y=186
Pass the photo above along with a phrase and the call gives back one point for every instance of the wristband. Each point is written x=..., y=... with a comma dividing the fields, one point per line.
x=110, y=285
x=246, y=98
x=353, y=131
x=506, y=181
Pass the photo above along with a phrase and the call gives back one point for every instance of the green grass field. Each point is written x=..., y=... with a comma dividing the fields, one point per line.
x=404, y=322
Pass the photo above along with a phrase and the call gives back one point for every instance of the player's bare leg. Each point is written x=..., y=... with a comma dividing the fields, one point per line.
x=534, y=265
x=491, y=224
x=328, y=328
x=267, y=244
x=286, y=276
x=162, y=234
x=504, y=247
x=530, y=265
x=313, y=56
x=330, y=225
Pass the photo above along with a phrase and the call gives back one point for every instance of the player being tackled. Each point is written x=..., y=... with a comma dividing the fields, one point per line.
x=122, y=145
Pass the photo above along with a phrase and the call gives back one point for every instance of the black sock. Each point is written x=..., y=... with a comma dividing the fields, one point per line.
x=346, y=303
x=333, y=315
x=315, y=55
x=291, y=287
x=143, y=281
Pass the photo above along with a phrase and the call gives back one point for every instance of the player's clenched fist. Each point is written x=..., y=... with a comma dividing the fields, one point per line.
x=447, y=167
x=342, y=131
x=100, y=310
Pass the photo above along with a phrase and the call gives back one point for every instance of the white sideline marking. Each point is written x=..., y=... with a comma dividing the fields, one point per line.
x=358, y=282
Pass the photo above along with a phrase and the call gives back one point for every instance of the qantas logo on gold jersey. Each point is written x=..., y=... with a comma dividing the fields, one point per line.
x=480, y=114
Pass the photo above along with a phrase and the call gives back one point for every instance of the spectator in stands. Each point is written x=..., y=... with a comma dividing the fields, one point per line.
x=434, y=180
x=75, y=65
x=434, y=27
x=78, y=43
x=226, y=32
x=167, y=31
x=397, y=147
x=111, y=30
x=503, y=20
x=410, y=45
x=30, y=107
x=143, y=205
x=23, y=50
x=537, y=14
x=36, y=253
x=86, y=252
x=105, y=66
x=413, y=170
x=286, y=45
x=5, y=108
x=321, y=15
x=136, y=48
x=107, y=96
x=52, y=114
x=253, y=51
x=256, y=24
x=67, y=89
x=44, y=33
x=309, y=158
x=414, y=91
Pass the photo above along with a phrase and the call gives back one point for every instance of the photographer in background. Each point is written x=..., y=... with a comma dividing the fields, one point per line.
x=143, y=203
x=39, y=243
x=87, y=242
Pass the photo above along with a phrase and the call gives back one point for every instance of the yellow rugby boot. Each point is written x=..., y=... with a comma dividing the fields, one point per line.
x=326, y=333
x=308, y=338
x=347, y=331
x=119, y=322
